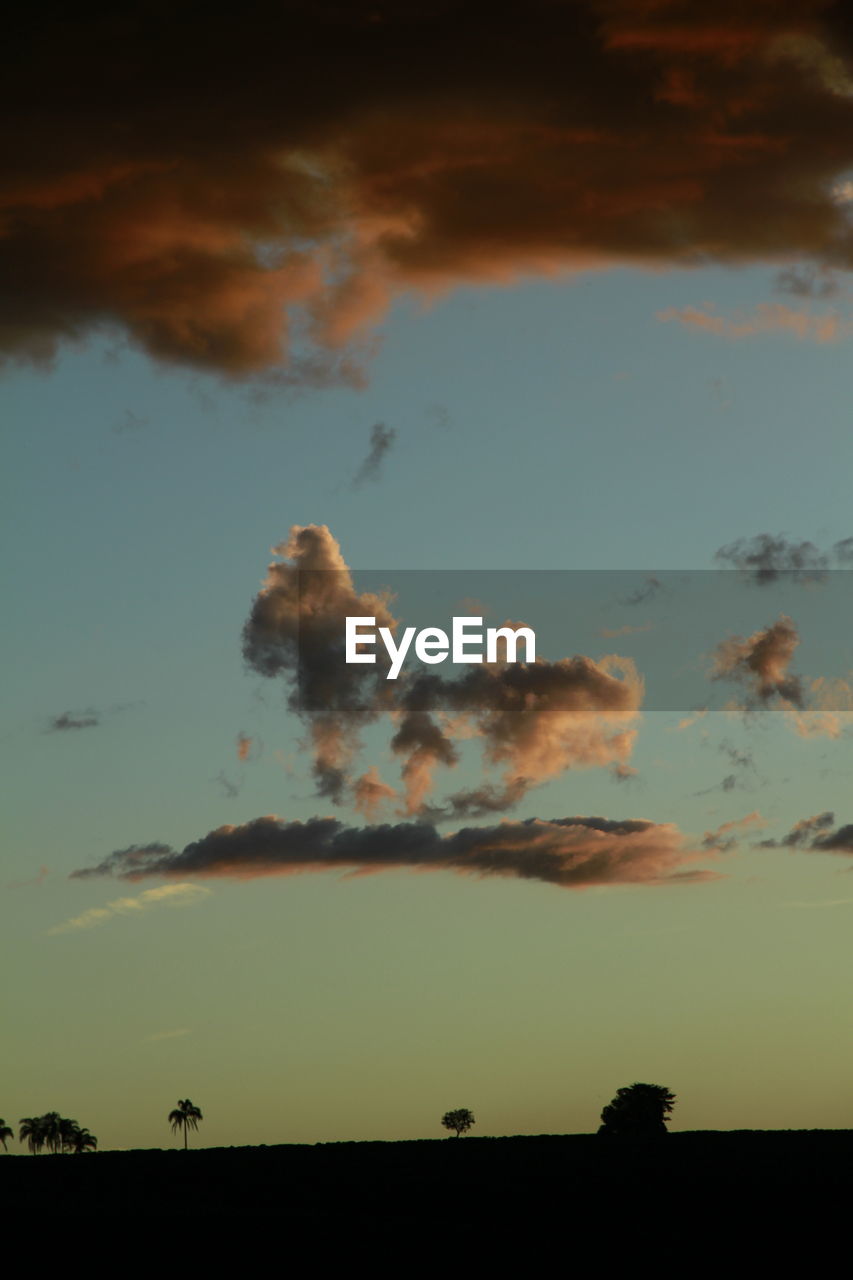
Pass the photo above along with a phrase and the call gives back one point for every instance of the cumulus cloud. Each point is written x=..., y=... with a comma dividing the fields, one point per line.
x=169, y=895
x=296, y=629
x=267, y=194
x=573, y=853
x=381, y=440
x=534, y=720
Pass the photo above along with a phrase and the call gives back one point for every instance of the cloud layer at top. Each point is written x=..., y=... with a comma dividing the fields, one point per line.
x=233, y=191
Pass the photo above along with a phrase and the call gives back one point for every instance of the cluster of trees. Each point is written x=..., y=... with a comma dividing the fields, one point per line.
x=51, y=1131
x=54, y=1133
x=637, y=1111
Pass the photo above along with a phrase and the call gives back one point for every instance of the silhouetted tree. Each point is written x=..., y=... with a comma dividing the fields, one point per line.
x=5, y=1132
x=82, y=1141
x=639, y=1110
x=32, y=1131
x=52, y=1129
x=185, y=1116
x=460, y=1120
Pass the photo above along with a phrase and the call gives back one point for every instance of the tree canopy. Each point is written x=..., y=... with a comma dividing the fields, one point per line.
x=459, y=1120
x=638, y=1110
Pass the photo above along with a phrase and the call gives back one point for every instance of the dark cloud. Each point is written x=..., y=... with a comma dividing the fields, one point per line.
x=744, y=764
x=75, y=720
x=123, y=862
x=766, y=558
x=651, y=586
x=814, y=833
x=808, y=282
x=246, y=190
x=227, y=787
x=761, y=662
x=381, y=440
x=570, y=852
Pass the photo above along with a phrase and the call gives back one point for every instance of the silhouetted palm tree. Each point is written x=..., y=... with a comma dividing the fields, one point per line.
x=82, y=1141
x=5, y=1132
x=68, y=1130
x=185, y=1116
x=32, y=1131
x=52, y=1129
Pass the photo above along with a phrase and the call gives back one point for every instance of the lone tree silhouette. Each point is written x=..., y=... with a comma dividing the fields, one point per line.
x=638, y=1111
x=460, y=1120
x=185, y=1116
x=5, y=1132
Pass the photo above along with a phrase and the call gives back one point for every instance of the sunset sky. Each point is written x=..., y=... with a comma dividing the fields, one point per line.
x=544, y=315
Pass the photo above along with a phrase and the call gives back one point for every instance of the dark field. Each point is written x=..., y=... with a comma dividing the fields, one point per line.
x=762, y=1196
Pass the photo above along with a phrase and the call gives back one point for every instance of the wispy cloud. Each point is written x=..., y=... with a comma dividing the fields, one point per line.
x=167, y=895
x=74, y=720
x=381, y=440
x=766, y=317
x=825, y=902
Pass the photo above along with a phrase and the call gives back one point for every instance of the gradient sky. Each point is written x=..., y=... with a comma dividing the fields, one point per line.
x=630, y=399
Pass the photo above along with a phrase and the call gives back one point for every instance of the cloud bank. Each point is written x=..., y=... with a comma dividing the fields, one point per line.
x=573, y=853
x=251, y=192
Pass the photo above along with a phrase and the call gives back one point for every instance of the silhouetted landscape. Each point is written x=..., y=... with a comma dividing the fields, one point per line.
x=696, y=1189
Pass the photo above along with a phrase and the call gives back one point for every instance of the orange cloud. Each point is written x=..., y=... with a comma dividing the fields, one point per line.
x=767, y=317
x=253, y=197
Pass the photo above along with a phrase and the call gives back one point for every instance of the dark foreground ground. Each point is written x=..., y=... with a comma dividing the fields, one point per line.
x=684, y=1200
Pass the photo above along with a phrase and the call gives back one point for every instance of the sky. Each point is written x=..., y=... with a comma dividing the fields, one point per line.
x=541, y=315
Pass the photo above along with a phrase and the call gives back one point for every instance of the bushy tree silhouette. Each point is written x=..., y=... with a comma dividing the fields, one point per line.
x=460, y=1120
x=638, y=1110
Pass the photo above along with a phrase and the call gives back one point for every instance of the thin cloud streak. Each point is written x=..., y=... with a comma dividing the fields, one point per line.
x=170, y=895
